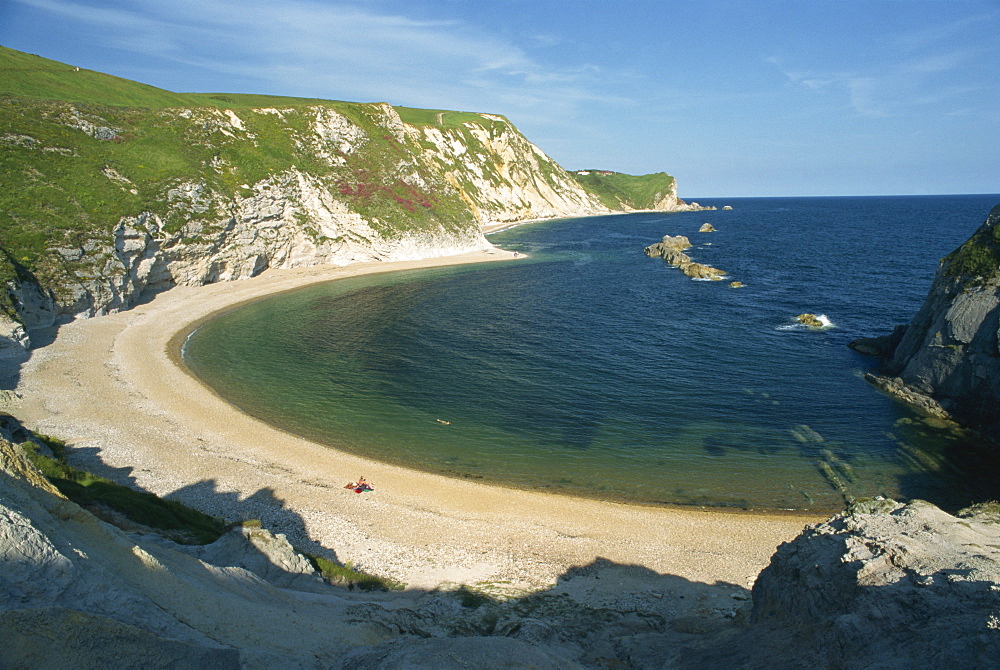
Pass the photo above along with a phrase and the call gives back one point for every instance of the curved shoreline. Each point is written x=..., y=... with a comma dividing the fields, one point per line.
x=112, y=387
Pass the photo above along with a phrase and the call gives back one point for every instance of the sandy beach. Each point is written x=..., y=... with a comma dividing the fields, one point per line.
x=114, y=389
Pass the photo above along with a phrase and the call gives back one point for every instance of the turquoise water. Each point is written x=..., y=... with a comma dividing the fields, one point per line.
x=594, y=370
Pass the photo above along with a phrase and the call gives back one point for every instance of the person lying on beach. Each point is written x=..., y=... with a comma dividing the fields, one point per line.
x=359, y=486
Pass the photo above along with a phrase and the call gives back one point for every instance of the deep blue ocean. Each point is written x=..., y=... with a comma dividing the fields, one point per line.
x=588, y=368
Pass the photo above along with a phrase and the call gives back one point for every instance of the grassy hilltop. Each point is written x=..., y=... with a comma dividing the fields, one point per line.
x=614, y=188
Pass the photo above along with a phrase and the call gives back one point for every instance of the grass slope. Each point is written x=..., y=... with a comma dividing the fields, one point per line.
x=977, y=261
x=30, y=76
x=616, y=189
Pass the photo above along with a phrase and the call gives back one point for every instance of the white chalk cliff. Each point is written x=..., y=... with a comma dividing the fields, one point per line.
x=369, y=187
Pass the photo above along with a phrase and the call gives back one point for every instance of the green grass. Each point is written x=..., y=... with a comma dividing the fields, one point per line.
x=985, y=511
x=348, y=576
x=977, y=261
x=30, y=76
x=472, y=598
x=617, y=189
x=441, y=118
x=179, y=522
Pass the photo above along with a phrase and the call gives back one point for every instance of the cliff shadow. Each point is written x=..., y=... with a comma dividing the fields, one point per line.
x=600, y=615
x=12, y=362
x=206, y=496
x=947, y=465
x=605, y=614
x=263, y=506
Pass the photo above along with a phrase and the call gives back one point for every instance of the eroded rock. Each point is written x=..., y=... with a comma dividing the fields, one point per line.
x=950, y=352
x=884, y=585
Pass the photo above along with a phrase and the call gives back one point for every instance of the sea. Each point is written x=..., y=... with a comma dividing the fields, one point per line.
x=587, y=368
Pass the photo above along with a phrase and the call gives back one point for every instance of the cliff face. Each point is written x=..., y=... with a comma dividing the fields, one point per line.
x=947, y=360
x=103, y=199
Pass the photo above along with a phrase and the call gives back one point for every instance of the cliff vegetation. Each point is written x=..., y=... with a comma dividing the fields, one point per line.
x=977, y=261
x=637, y=192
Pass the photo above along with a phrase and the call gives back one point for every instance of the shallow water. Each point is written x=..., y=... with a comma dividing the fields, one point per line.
x=592, y=369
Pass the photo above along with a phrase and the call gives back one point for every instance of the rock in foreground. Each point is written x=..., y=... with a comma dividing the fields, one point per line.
x=884, y=585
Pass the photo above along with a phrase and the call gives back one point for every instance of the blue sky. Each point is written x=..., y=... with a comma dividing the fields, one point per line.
x=765, y=98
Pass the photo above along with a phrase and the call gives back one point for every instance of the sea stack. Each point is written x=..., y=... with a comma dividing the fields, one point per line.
x=947, y=361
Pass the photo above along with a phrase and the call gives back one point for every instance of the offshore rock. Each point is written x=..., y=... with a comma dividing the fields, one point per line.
x=701, y=271
x=670, y=244
x=671, y=249
x=950, y=353
x=810, y=320
x=883, y=585
x=706, y=228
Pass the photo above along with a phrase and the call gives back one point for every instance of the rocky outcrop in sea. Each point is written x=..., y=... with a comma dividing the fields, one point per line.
x=946, y=361
x=671, y=249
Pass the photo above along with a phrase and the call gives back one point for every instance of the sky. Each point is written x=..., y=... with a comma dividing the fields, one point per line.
x=733, y=98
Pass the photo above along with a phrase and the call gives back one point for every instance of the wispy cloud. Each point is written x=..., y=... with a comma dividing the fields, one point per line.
x=919, y=39
x=890, y=88
x=329, y=49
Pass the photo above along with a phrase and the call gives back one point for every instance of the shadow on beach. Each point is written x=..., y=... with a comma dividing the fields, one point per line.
x=601, y=610
x=263, y=506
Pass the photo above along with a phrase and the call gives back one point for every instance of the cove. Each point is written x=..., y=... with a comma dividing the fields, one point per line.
x=593, y=370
